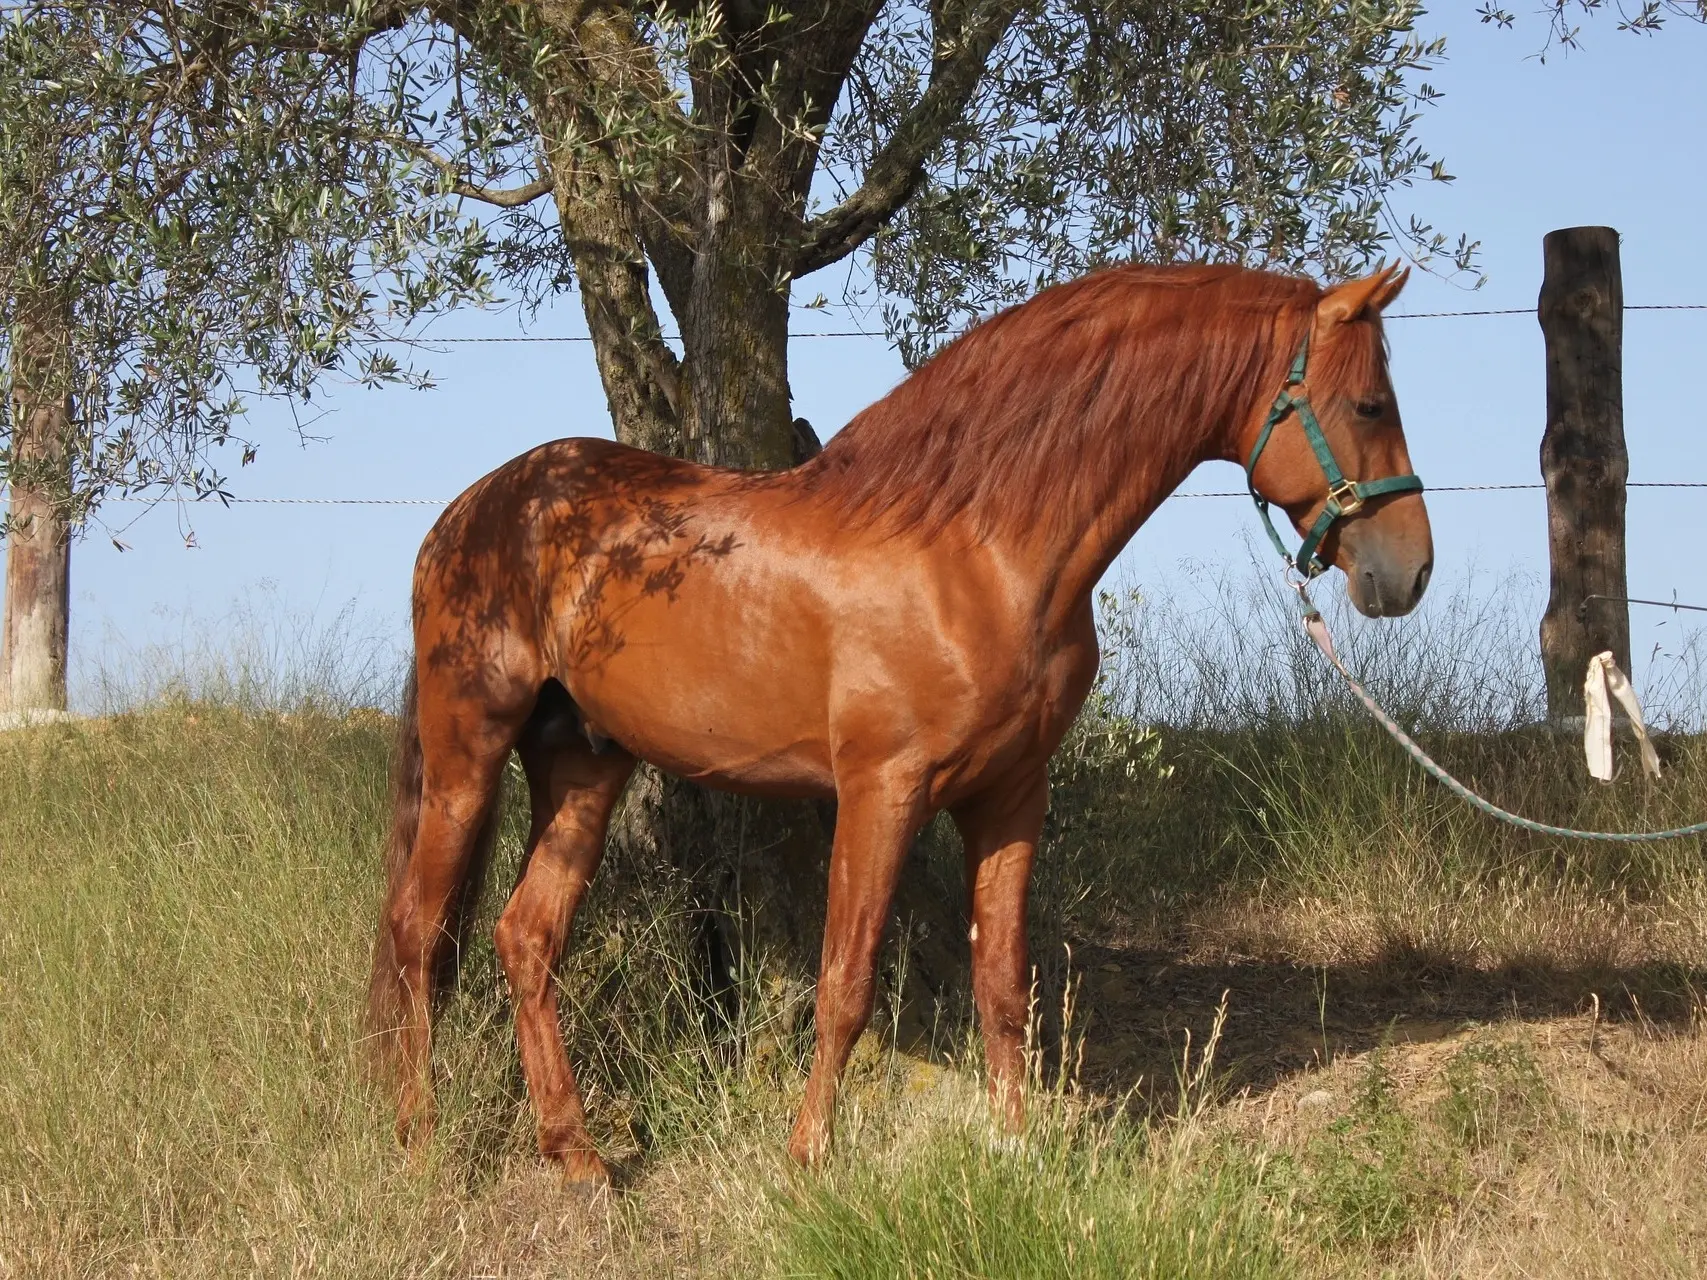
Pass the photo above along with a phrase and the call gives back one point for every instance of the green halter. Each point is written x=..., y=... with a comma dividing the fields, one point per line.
x=1345, y=497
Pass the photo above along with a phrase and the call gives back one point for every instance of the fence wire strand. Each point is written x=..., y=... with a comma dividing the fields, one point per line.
x=428, y=341
x=440, y=502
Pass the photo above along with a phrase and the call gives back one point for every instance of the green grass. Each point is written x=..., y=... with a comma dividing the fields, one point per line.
x=187, y=902
x=1076, y=1198
x=1370, y=1179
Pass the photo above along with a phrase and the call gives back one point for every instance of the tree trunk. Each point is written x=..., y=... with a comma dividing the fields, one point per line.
x=639, y=372
x=735, y=334
x=38, y=554
x=1583, y=461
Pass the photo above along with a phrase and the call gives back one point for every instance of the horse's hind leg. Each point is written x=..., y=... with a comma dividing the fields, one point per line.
x=462, y=759
x=573, y=791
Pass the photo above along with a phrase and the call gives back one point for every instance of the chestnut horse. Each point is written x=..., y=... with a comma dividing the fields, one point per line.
x=903, y=623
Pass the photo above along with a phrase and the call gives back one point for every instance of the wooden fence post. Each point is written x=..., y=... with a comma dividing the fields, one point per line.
x=1583, y=460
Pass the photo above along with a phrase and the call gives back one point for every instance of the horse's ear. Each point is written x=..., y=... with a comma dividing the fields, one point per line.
x=1356, y=299
x=1392, y=289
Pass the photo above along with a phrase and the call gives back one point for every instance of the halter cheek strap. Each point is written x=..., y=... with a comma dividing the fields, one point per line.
x=1345, y=497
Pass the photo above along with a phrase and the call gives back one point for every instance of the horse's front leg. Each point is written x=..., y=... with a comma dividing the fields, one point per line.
x=877, y=818
x=1000, y=828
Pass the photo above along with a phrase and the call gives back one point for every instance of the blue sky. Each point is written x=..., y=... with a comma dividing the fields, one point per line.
x=1611, y=135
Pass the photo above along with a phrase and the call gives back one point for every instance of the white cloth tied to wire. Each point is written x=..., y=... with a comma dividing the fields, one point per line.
x=1605, y=682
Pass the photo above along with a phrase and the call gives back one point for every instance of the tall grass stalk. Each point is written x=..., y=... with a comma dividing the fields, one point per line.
x=1080, y=1198
x=1085, y=1191
x=189, y=896
x=260, y=654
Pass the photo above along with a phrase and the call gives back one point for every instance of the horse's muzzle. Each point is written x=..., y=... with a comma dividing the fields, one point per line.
x=1380, y=588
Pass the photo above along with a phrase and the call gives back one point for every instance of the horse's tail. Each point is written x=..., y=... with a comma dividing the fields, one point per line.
x=384, y=996
x=384, y=999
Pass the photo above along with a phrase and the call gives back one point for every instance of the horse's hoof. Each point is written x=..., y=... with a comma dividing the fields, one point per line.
x=808, y=1146
x=582, y=1170
x=415, y=1127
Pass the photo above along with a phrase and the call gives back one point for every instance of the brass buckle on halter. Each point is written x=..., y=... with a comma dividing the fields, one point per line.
x=1345, y=494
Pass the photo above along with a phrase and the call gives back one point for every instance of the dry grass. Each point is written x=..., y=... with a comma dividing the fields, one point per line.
x=1446, y=1049
x=1557, y=1147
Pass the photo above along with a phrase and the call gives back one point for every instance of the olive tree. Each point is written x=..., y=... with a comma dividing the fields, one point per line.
x=710, y=155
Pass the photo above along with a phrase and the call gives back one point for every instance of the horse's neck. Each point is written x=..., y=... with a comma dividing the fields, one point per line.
x=1078, y=545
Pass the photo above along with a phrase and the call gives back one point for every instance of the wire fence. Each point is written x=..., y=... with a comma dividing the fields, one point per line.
x=1529, y=311
x=428, y=341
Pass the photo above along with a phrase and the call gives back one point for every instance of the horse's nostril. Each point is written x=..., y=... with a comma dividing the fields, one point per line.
x=1372, y=594
x=1421, y=584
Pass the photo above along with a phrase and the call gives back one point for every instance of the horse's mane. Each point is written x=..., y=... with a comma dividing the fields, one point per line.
x=1015, y=419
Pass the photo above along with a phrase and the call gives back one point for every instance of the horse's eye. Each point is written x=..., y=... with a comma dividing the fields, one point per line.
x=1370, y=408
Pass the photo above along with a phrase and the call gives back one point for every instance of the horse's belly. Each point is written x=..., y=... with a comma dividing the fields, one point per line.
x=728, y=762
x=795, y=774
x=762, y=738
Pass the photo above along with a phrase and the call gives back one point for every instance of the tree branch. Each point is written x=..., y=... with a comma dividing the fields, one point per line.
x=641, y=375
x=803, y=67
x=503, y=197
x=613, y=62
x=898, y=168
x=598, y=58
x=205, y=58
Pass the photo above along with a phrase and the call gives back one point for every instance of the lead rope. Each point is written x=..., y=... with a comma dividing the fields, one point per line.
x=1317, y=629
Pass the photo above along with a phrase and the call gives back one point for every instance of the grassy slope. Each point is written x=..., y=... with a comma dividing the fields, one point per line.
x=1448, y=1050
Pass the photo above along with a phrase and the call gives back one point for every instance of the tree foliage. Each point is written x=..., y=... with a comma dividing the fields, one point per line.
x=1274, y=134
x=193, y=244
x=1565, y=17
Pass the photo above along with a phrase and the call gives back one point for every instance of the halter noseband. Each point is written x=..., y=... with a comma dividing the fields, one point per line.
x=1345, y=497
